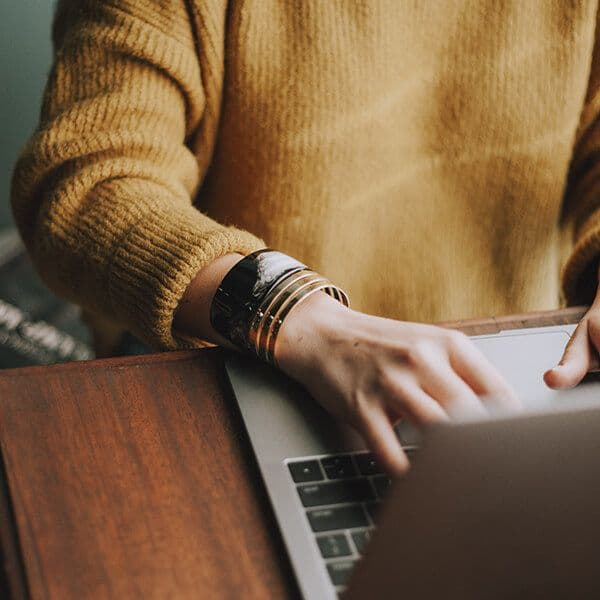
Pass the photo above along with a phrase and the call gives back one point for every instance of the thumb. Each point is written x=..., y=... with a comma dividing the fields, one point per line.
x=575, y=361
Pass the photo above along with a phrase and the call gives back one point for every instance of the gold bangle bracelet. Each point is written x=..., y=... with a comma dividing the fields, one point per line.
x=328, y=288
x=270, y=305
x=262, y=314
x=274, y=309
x=267, y=350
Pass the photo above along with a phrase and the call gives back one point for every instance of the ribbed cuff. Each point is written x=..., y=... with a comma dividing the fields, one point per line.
x=155, y=262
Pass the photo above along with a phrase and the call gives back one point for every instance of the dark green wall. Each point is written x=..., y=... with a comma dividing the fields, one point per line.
x=25, y=54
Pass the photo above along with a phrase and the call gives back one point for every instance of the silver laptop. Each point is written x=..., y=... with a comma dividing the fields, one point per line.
x=324, y=485
x=508, y=508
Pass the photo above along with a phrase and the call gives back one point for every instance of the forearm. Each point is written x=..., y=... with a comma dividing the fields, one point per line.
x=102, y=194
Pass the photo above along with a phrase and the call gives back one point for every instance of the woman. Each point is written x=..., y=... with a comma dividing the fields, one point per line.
x=415, y=153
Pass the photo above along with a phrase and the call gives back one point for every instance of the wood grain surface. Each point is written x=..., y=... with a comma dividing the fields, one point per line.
x=133, y=478
x=564, y=316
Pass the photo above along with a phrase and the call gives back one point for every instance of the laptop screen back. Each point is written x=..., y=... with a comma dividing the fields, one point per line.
x=496, y=510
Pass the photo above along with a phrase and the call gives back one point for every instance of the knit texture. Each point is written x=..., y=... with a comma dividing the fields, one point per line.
x=438, y=160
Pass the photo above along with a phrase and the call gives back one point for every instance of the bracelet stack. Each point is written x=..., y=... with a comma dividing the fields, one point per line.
x=256, y=296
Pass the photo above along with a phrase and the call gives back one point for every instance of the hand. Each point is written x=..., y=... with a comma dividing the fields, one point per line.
x=581, y=352
x=371, y=371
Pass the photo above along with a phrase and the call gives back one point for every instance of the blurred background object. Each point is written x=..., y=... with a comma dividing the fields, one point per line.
x=35, y=326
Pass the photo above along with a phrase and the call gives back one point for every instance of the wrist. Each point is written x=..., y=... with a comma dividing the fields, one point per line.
x=304, y=330
x=257, y=296
x=192, y=316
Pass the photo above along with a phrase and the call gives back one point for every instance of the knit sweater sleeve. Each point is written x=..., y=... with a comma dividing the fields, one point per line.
x=582, y=197
x=102, y=193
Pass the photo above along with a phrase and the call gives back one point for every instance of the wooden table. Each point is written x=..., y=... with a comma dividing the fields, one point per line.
x=133, y=478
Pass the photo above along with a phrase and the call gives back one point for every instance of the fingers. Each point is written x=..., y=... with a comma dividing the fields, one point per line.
x=480, y=375
x=578, y=357
x=382, y=440
x=441, y=382
x=418, y=406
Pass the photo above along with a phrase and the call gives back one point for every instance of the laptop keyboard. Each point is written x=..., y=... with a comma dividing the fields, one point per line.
x=340, y=494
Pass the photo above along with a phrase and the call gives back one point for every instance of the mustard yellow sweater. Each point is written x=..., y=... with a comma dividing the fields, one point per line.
x=438, y=160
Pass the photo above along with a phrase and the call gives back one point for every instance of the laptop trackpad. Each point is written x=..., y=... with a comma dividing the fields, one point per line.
x=523, y=358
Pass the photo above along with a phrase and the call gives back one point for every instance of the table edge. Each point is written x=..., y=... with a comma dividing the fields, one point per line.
x=563, y=316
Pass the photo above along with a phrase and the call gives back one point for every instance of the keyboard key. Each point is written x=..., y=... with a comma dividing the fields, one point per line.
x=367, y=465
x=334, y=545
x=306, y=470
x=361, y=539
x=340, y=571
x=338, y=467
x=340, y=517
x=382, y=485
x=373, y=509
x=336, y=492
